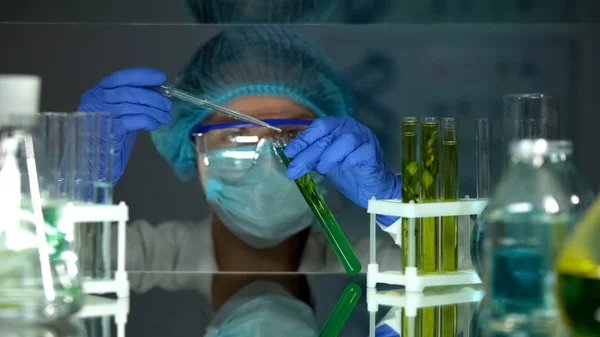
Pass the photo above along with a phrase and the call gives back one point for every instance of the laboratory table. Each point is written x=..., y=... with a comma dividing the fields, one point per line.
x=191, y=304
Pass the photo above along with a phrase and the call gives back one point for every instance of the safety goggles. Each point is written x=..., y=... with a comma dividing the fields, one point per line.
x=238, y=145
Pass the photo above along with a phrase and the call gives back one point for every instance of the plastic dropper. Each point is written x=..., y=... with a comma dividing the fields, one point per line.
x=168, y=90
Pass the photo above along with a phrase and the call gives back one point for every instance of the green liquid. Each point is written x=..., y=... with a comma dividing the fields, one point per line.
x=342, y=310
x=449, y=192
x=448, y=320
x=410, y=180
x=325, y=218
x=428, y=256
x=425, y=322
x=579, y=299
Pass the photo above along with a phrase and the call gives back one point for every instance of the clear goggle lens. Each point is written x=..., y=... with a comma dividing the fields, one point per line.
x=238, y=145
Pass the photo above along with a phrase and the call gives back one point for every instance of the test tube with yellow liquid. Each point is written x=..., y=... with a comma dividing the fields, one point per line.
x=427, y=228
x=410, y=179
x=449, y=192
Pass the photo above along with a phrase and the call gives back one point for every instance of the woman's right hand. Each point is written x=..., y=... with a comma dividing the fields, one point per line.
x=134, y=107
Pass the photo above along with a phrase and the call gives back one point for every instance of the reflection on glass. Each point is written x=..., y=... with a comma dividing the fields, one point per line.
x=253, y=305
x=436, y=312
x=60, y=328
x=342, y=310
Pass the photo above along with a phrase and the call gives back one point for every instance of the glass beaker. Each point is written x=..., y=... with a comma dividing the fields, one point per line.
x=74, y=152
x=577, y=289
x=524, y=226
x=530, y=116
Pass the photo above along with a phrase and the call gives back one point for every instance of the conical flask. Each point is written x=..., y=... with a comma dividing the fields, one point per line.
x=578, y=280
x=525, y=224
x=39, y=278
x=579, y=198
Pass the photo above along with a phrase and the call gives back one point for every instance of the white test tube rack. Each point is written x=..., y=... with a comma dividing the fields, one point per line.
x=412, y=301
x=96, y=307
x=411, y=280
x=96, y=213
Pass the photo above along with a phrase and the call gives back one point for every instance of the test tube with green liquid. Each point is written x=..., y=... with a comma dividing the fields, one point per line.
x=410, y=179
x=427, y=228
x=325, y=218
x=342, y=310
x=449, y=192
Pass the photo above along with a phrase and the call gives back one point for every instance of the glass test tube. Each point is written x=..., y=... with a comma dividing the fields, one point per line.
x=483, y=158
x=483, y=185
x=325, y=218
x=448, y=232
x=410, y=184
x=427, y=228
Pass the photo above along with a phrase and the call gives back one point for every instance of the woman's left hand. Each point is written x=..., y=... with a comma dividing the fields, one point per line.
x=348, y=154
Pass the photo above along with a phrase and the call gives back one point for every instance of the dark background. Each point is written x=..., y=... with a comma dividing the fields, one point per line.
x=301, y=11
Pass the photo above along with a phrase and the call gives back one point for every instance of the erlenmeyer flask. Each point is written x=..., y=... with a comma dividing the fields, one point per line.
x=580, y=197
x=39, y=277
x=578, y=281
x=525, y=225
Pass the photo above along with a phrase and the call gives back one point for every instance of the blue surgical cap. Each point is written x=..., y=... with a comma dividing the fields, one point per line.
x=250, y=61
x=261, y=11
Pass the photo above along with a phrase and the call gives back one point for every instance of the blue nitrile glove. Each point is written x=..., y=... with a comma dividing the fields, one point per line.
x=133, y=107
x=349, y=155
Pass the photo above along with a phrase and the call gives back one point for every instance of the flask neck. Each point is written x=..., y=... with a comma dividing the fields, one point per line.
x=541, y=160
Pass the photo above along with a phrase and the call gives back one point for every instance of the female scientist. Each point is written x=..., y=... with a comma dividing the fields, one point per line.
x=260, y=220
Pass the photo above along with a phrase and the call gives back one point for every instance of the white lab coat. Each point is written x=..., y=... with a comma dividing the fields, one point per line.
x=176, y=246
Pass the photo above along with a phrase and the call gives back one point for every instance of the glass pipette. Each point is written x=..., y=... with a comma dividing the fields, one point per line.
x=168, y=90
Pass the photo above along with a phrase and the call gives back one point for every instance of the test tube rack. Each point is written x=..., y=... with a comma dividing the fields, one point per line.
x=106, y=308
x=411, y=280
x=104, y=215
x=412, y=301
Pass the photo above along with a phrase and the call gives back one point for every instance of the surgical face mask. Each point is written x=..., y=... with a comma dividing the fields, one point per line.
x=273, y=313
x=258, y=203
